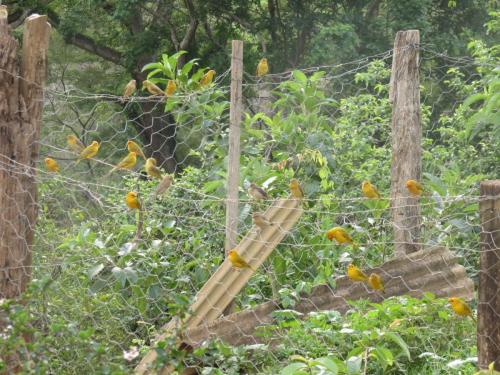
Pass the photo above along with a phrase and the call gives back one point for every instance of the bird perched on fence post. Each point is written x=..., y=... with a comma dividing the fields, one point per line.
x=296, y=189
x=257, y=192
x=237, y=261
x=129, y=89
x=355, y=274
x=460, y=307
x=369, y=190
x=89, y=152
x=52, y=165
x=262, y=67
x=132, y=200
x=375, y=282
x=261, y=221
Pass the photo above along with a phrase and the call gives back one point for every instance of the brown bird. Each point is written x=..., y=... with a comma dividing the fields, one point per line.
x=164, y=185
x=129, y=89
x=261, y=221
x=257, y=192
x=152, y=88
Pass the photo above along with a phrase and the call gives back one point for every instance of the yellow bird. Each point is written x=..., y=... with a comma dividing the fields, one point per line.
x=207, y=78
x=355, y=274
x=130, y=88
x=340, y=235
x=164, y=185
x=134, y=147
x=90, y=151
x=261, y=221
x=128, y=162
x=171, y=87
x=376, y=282
x=369, y=190
x=414, y=187
x=262, y=67
x=237, y=261
x=257, y=192
x=132, y=200
x=52, y=165
x=460, y=307
x=296, y=189
x=151, y=169
x=75, y=144
x=152, y=88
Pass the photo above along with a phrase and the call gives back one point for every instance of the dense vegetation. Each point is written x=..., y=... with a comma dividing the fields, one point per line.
x=97, y=292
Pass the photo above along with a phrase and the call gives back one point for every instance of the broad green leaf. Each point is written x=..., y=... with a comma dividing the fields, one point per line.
x=294, y=369
x=299, y=76
x=150, y=66
x=399, y=341
x=329, y=364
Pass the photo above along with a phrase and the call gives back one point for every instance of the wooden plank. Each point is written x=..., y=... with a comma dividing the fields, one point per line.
x=233, y=170
x=488, y=308
x=406, y=141
x=227, y=281
x=433, y=270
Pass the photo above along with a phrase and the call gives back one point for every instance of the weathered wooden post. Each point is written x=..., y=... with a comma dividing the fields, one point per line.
x=233, y=170
x=488, y=308
x=406, y=141
x=21, y=104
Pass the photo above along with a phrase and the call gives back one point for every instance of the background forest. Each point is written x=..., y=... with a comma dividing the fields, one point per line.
x=99, y=296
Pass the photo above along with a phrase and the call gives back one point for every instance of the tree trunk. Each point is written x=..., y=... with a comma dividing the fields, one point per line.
x=21, y=104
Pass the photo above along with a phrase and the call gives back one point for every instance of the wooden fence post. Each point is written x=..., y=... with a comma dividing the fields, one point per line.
x=21, y=104
x=406, y=141
x=233, y=170
x=488, y=308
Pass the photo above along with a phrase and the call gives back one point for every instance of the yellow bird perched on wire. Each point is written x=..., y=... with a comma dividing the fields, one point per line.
x=460, y=307
x=414, y=187
x=52, y=165
x=296, y=189
x=164, y=185
x=207, y=78
x=261, y=221
x=171, y=87
x=152, y=88
x=132, y=200
x=75, y=144
x=151, y=169
x=257, y=192
x=369, y=190
x=128, y=162
x=340, y=235
x=90, y=151
x=134, y=147
x=262, y=67
x=129, y=89
x=237, y=261
x=355, y=274
x=375, y=282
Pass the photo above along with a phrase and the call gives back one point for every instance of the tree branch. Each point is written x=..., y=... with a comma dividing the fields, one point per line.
x=90, y=45
x=193, y=25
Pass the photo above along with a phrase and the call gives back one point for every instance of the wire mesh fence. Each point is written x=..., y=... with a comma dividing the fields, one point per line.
x=110, y=268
